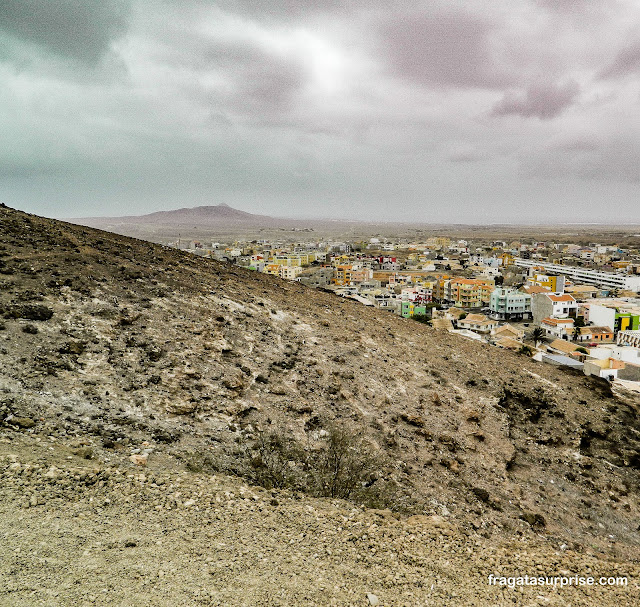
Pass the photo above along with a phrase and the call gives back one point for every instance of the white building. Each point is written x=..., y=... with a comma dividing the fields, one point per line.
x=592, y=277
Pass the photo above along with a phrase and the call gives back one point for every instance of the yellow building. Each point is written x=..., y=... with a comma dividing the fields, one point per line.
x=438, y=242
x=272, y=268
x=343, y=275
x=507, y=259
x=290, y=272
x=548, y=281
x=294, y=259
x=469, y=292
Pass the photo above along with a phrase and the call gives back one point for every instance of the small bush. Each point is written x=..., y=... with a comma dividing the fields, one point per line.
x=423, y=318
x=339, y=465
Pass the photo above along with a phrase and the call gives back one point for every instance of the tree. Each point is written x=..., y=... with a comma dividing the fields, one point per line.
x=525, y=350
x=576, y=333
x=537, y=334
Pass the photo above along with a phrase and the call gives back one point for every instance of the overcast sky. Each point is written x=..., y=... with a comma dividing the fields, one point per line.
x=446, y=110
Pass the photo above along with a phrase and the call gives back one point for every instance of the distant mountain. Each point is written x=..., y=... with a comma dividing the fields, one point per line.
x=221, y=215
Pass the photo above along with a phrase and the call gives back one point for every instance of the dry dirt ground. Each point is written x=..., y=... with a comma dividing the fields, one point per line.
x=112, y=348
x=78, y=532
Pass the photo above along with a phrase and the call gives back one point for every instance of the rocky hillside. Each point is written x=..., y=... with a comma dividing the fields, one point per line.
x=129, y=353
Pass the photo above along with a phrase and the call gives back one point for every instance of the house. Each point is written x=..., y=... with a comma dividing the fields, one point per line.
x=509, y=343
x=533, y=289
x=290, y=272
x=468, y=292
x=342, y=275
x=272, y=268
x=409, y=309
x=560, y=346
x=320, y=277
x=507, y=331
x=478, y=323
x=507, y=303
x=617, y=314
x=550, y=305
x=606, y=367
x=553, y=282
x=506, y=259
x=562, y=328
x=597, y=334
x=582, y=292
x=451, y=313
x=559, y=360
x=629, y=338
x=468, y=334
x=627, y=354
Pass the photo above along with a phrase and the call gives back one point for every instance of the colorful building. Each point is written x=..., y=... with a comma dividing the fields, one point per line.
x=510, y=303
x=409, y=309
x=553, y=282
x=469, y=292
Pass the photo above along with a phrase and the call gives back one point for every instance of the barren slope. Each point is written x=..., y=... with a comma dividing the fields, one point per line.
x=75, y=533
x=198, y=358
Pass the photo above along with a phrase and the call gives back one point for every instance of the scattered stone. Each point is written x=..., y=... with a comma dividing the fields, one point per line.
x=413, y=420
x=181, y=407
x=139, y=459
x=21, y=422
x=535, y=519
x=83, y=452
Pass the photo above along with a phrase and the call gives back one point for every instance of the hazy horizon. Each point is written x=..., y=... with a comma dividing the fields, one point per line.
x=476, y=112
x=373, y=221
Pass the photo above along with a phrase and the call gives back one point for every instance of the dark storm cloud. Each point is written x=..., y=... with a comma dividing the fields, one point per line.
x=443, y=48
x=80, y=29
x=543, y=101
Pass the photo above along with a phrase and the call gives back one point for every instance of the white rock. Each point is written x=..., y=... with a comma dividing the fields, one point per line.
x=139, y=460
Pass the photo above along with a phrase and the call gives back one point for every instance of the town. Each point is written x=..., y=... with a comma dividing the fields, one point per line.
x=564, y=304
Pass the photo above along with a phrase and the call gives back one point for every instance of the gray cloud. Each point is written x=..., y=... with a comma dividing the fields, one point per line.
x=543, y=101
x=568, y=5
x=451, y=48
x=263, y=84
x=80, y=29
x=353, y=109
x=626, y=62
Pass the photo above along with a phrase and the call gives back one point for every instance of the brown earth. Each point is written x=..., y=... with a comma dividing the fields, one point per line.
x=116, y=347
x=77, y=532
